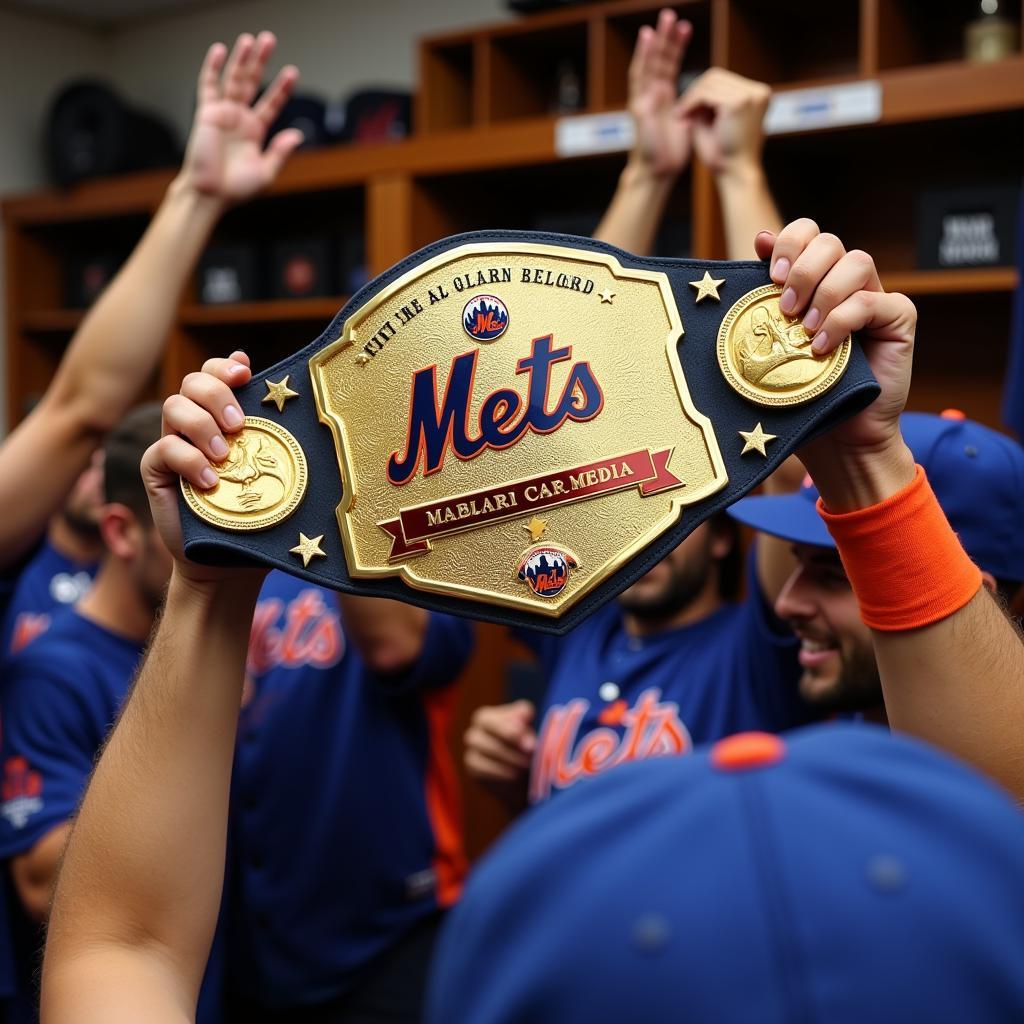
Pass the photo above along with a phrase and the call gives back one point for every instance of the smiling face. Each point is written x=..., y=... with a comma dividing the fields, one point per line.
x=836, y=653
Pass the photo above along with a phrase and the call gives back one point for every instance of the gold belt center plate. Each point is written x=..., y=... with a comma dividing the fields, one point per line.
x=512, y=424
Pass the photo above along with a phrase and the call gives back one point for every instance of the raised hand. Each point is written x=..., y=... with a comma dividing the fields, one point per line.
x=663, y=139
x=836, y=293
x=499, y=748
x=225, y=158
x=195, y=423
x=725, y=111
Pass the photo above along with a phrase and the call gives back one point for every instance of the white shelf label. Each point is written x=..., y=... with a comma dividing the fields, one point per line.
x=829, y=107
x=593, y=133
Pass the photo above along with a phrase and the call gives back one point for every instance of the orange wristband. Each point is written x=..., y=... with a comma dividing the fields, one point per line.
x=903, y=559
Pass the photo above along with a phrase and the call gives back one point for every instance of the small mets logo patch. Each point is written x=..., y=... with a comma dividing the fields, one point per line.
x=545, y=570
x=485, y=317
x=22, y=792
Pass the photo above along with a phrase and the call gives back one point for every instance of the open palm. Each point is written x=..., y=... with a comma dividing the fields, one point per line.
x=225, y=156
x=663, y=137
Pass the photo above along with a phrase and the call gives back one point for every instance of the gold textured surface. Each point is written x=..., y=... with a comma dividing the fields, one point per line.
x=260, y=482
x=766, y=356
x=363, y=394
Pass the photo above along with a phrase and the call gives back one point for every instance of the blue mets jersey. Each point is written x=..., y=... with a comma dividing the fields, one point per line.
x=613, y=697
x=345, y=826
x=48, y=583
x=8, y=975
x=61, y=697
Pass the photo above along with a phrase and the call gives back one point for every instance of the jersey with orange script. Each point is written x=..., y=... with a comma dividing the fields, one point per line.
x=344, y=819
x=612, y=697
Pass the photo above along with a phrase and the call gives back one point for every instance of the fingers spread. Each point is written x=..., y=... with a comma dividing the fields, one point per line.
x=638, y=65
x=659, y=51
x=270, y=103
x=280, y=147
x=208, y=90
x=235, y=71
x=667, y=52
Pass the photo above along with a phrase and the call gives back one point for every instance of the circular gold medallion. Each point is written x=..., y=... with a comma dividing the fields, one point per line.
x=262, y=479
x=766, y=356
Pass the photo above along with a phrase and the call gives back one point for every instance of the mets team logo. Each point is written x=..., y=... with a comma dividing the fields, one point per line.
x=485, y=317
x=22, y=791
x=545, y=570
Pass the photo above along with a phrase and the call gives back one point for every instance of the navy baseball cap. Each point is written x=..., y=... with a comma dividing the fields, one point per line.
x=836, y=876
x=976, y=473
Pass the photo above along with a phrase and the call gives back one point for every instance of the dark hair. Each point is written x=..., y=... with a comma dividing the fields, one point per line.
x=1008, y=589
x=730, y=565
x=123, y=451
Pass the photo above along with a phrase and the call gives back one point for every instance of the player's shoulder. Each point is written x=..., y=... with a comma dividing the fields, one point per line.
x=72, y=652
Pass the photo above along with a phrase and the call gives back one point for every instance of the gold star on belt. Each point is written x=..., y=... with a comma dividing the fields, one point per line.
x=755, y=440
x=706, y=287
x=308, y=548
x=536, y=528
x=278, y=392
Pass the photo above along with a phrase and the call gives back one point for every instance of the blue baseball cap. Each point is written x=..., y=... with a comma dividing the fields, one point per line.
x=976, y=473
x=837, y=876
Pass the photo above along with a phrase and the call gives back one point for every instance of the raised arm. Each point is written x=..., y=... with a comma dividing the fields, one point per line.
x=139, y=890
x=725, y=111
x=118, y=346
x=718, y=117
x=663, y=140
x=950, y=661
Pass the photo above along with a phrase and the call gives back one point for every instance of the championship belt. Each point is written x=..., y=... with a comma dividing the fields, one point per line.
x=516, y=426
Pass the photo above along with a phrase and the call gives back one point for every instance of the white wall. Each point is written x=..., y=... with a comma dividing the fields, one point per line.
x=36, y=55
x=338, y=45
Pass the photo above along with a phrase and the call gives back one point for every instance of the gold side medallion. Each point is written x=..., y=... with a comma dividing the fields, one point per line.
x=513, y=424
x=766, y=356
x=261, y=481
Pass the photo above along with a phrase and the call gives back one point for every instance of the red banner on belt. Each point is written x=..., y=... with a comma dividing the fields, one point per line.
x=415, y=526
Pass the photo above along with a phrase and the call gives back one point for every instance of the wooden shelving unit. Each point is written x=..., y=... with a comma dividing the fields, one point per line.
x=484, y=155
x=269, y=311
x=951, y=282
x=51, y=321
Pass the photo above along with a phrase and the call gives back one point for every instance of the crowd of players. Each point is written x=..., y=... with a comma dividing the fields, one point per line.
x=272, y=831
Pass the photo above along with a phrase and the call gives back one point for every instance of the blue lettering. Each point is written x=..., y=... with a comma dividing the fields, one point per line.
x=433, y=428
